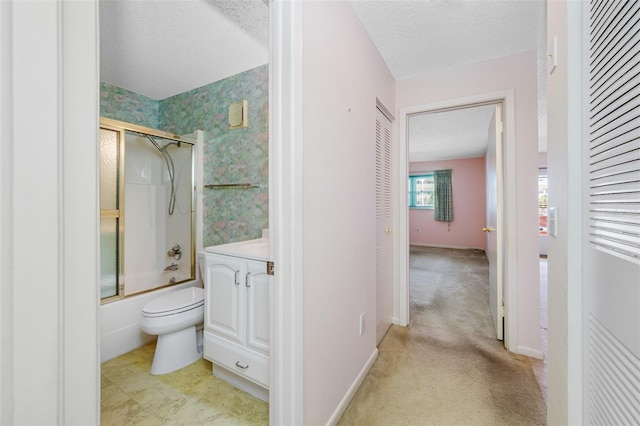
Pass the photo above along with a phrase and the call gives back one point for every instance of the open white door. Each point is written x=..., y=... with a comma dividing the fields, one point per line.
x=384, y=241
x=494, y=227
x=611, y=215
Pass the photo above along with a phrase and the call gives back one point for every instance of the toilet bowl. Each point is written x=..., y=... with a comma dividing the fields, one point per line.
x=173, y=317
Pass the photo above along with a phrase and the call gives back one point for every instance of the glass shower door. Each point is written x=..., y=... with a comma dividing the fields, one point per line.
x=110, y=163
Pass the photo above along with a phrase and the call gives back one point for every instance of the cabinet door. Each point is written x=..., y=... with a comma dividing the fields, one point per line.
x=257, y=286
x=224, y=313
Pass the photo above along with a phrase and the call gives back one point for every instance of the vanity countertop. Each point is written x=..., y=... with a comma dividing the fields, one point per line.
x=257, y=249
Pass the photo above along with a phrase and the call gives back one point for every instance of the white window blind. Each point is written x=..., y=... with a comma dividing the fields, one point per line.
x=614, y=127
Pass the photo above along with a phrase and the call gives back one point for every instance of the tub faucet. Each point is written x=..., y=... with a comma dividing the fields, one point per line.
x=172, y=267
x=175, y=252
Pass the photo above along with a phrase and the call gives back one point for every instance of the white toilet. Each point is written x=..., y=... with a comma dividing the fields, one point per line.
x=174, y=317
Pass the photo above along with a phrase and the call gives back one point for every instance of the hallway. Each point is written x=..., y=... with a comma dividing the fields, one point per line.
x=447, y=367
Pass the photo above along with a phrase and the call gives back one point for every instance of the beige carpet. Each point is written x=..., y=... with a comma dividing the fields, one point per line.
x=447, y=368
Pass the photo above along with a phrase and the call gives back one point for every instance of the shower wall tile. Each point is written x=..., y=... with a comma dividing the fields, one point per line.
x=125, y=105
x=230, y=156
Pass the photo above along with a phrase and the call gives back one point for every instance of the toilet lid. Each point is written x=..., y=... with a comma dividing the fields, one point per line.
x=186, y=298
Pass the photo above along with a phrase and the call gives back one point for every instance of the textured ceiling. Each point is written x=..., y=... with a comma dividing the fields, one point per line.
x=416, y=37
x=160, y=48
x=440, y=135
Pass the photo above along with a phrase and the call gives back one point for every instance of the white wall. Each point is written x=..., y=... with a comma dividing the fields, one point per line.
x=517, y=72
x=343, y=74
x=565, y=189
x=557, y=249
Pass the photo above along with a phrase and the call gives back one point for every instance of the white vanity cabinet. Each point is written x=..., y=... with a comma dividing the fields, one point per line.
x=236, y=320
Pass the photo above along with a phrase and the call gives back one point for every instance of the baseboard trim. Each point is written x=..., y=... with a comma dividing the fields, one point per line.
x=353, y=389
x=531, y=353
x=123, y=340
x=446, y=246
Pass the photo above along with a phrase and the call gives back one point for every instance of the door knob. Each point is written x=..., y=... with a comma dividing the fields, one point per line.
x=487, y=229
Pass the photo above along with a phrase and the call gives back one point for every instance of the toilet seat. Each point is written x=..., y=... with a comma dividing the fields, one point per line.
x=174, y=303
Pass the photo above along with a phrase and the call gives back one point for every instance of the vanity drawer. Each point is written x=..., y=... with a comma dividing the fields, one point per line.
x=246, y=363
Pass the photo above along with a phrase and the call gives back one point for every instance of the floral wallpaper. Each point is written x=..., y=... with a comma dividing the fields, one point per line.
x=125, y=105
x=230, y=156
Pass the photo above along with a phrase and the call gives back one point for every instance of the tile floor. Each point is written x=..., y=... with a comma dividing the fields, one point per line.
x=190, y=396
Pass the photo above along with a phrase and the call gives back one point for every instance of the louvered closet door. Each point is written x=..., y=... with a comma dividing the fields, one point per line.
x=612, y=214
x=384, y=246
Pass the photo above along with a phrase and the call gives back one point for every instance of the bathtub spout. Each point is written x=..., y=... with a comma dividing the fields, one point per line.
x=172, y=267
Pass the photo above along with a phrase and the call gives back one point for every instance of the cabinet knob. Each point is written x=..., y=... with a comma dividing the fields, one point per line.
x=246, y=279
x=244, y=367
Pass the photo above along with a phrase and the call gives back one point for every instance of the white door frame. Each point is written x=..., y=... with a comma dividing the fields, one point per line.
x=72, y=394
x=286, y=212
x=495, y=218
x=49, y=203
x=401, y=215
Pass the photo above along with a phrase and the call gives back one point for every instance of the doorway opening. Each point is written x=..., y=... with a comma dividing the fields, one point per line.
x=232, y=198
x=465, y=143
x=540, y=366
x=507, y=98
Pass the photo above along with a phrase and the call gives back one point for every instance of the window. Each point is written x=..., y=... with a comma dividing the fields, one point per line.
x=542, y=204
x=421, y=191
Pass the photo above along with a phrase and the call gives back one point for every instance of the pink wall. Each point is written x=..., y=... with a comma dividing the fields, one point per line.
x=343, y=76
x=519, y=73
x=469, y=212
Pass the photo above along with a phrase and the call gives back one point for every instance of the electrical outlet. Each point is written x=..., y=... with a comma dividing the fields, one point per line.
x=363, y=323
